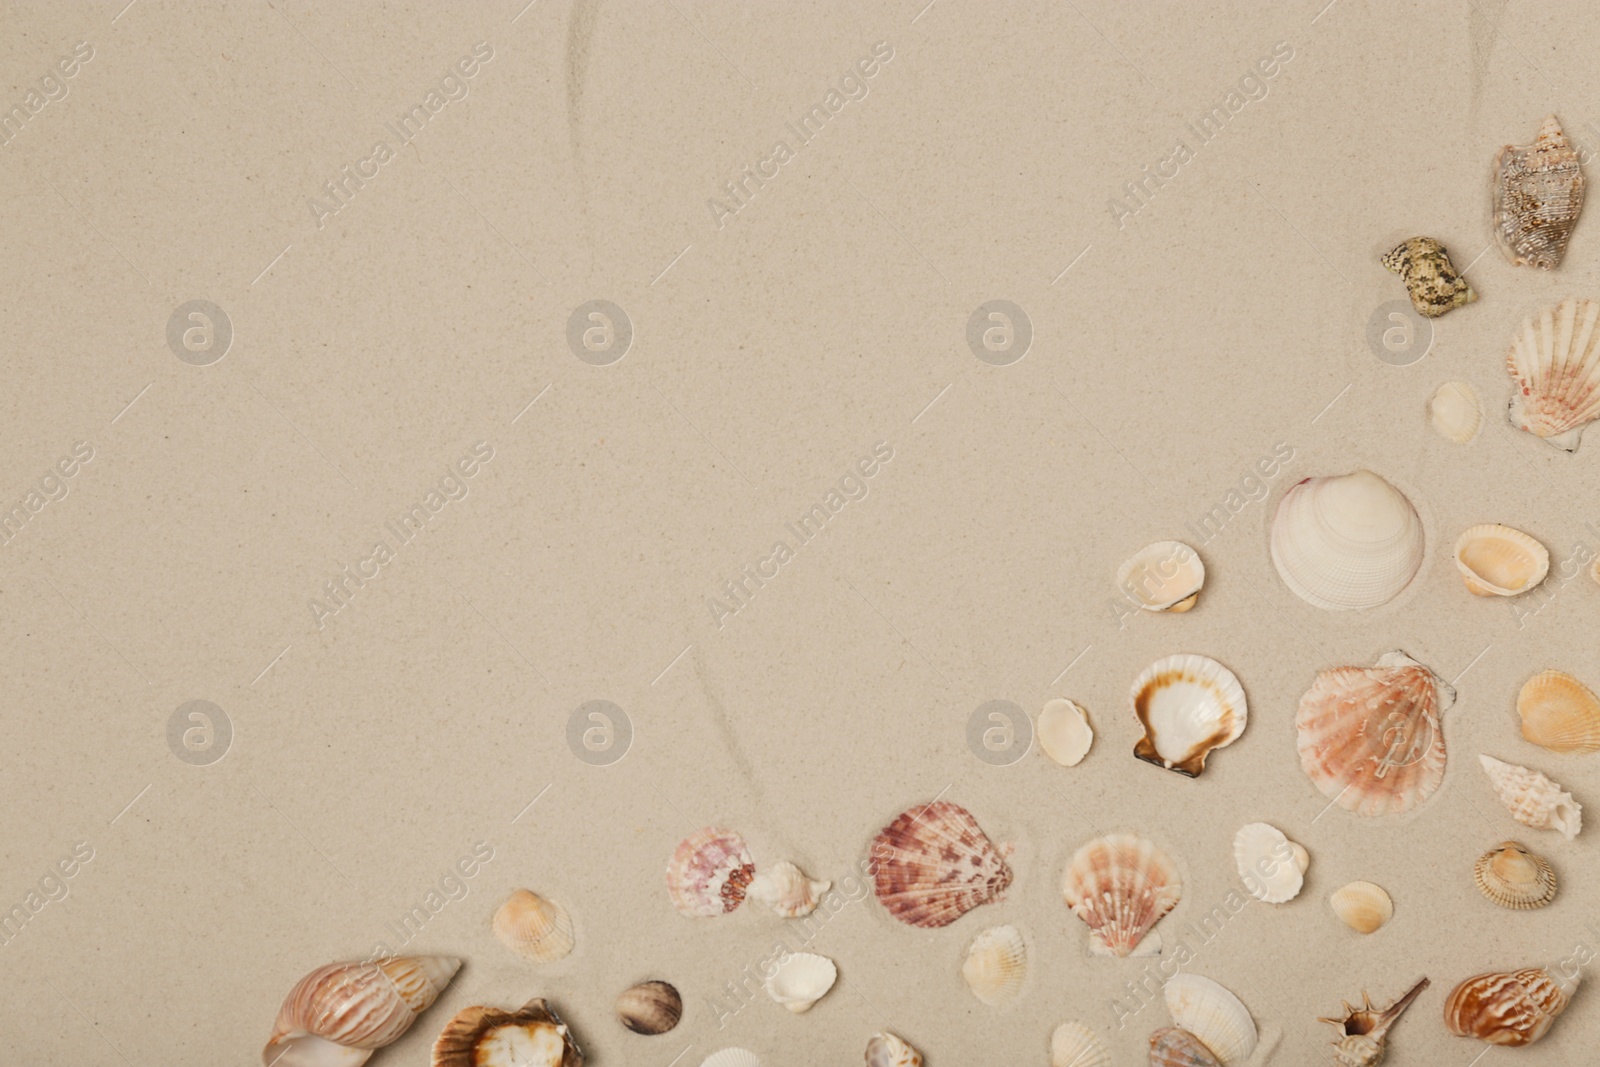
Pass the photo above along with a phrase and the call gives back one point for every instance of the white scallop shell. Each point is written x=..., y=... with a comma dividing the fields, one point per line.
x=1346, y=542
x=1189, y=706
x=1213, y=1015
x=1269, y=863
x=1075, y=1045
x=1455, y=412
x=801, y=979
x=1554, y=363
x=887, y=1050
x=996, y=965
x=787, y=890
x=1497, y=560
x=1362, y=906
x=1064, y=732
x=1165, y=576
x=1533, y=799
x=731, y=1057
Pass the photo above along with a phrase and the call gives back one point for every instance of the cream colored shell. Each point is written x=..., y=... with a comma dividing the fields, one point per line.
x=1064, y=732
x=534, y=927
x=1454, y=411
x=1073, y=1044
x=1560, y=713
x=1165, y=576
x=1497, y=560
x=801, y=979
x=1513, y=877
x=1362, y=906
x=1214, y=1015
x=996, y=965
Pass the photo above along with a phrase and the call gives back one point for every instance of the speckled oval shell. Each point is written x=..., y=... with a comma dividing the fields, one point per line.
x=1431, y=280
x=1507, y=1008
x=933, y=864
x=709, y=873
x=1538, y=195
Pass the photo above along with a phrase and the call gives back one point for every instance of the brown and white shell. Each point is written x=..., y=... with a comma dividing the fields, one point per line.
x=337, y=1015
x=1513, y=877
x=1189, y=707
x=531, y=1036
x=885, y=1049
x=933, y=864
x=1431, y=280
x=709, y=873
x=1173, y=1046
x=1370, y=738
x=1120, y=886
x=1538, y=195
x=1364, y=1031
x=650, y=1007
x=1508, y=1008
x=1560, y=713
x=1554, y=363
x=1532, y=799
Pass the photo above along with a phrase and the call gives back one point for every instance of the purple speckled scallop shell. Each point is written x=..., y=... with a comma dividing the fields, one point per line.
x=709, y=873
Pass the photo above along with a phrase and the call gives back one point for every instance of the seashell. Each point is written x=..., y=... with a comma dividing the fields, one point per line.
x=1064, y=732
x=886, y=1050
x=933, y=864
x=532, y=926
x=709, y=873
x=1173, y=1046
x=1499, y=561
x=1432, y=281
x=650, y=1007
x=1533, y=799
x=731, y=1057
x=1189, y=706
x=801, y=979
x=1538, y=193
x=1075, y=1045
x=1364, y=1031
x=996, y=964
x=1560, y=713
x=787, y=890
x=1362, y=906
x=1370, y=738
x=1213, y=1015
x=1121, y=885
x=337, y=1015
x=1455, y=412
x=1346, y=542
x=1508, y=1008
x=1271, y=868
x=1554, y=363
x=532, y=1036
x=1165, y=576
x=1512, y=877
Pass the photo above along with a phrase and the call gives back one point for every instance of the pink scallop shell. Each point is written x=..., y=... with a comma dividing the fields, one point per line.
x=709, y=873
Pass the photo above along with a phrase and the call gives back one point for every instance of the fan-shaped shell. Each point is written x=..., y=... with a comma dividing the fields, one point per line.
x=338, y=1014
x=1454, y=411
x=1560, y=713
x=1173, y=1046
x=1497, y=560
x=1120, y=886
x=1513, y=877
x=1538, y=193
x=650, y=1007
x=1208, y=1011
x=886, y=1050
x=1362, y=906
x=996, y=965
x=787, y=890
x=1533, y=799
x=1165, y=576
x=1370, y=738
x=1064, y=732
x=933, y=864
x=531, y=1036
x=1075, y=1045
x=1346, y=542
x=1554, y=363
x=532, y=926
x=1189, y=706
x=731, y=1057
x=1268, y=862
x=1508, y=1008
x=709, y=873
x=801, y=979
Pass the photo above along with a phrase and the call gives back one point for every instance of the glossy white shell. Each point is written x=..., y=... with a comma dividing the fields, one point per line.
x=1346, y=542
x=1064, y=732
x=1208, y=1011
x=801, y=979
x=1268, y=862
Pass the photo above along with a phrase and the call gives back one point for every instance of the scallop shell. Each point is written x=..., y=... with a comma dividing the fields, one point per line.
x=1554, y=363
x=787, y=890
x=1533, y=799
x=731, y=1057
x=1538, y=194
x=996, y=965
x=532, y=1036
x=1165, y=576
x=1268, y=863
x=886, y=1050
x=1075, y=1045
x=1508, y=1008
x=1189, y=706
x=709, y=873
x=1560, y=713
x=1499, y=561
x=1346, y=542
x=1370, y=738
x=1512, y=877
x=1213, y=1015
x=1431, y=280
x=1173, y=1046
x=933, y=864
x=532, y=926
x=801, y=979
x=338, y=1014
x=1064, y=732
x=650, y=1007
x=1455, y=412
x=1121, y=885
x=1364, y=1031
x=1362, y=906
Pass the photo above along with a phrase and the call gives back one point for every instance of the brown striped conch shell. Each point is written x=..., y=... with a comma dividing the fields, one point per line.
x=1364, y=1031
x=531, y=1036
x=1508, y=1008
x=1120, y=886
x=338, y=1015
x=933, y=864
x=1538, y=194
x=1554, y=363
x=709, y=873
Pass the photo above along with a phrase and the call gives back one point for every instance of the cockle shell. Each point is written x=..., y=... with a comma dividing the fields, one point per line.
x=1560, y=713
x=1533, y=799
x=1269, y=863
x=933, y=864
x=1174, y=1046
x=1455, y=412
x=650, y=1007
x=1508, y=1008
x=1431, y=280
x=1497, y=560
x=996, y=965
x=731, y=1057
x=532, y=926
x=1120, y=886
x=1064, y=732
x=1346, y=542
x=1075, y=1045
x=1165, y=576
x=1370, y=738
x=709, y=873
x=337, y=1015
x=1364, y=1031
x=1189, y=706
x=801, y=979
x=1538, y=194
x=1513, y=877
x=1362, y=906
x=532, y=1036
x=1208, y=1011
x=787, y=890
x=886, y=1050
x=1554, y=363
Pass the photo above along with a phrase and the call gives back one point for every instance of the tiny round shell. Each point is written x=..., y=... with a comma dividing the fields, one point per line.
x=1455, y=412
x=996, y=965
x=1497, y=560
x=1362, y=906
x=1560, y=713
x=534, y=927
x=1513, y=877
x=1064, y=732
x=1075, y=1045
x=1165, y=576
x=886, y=1050
x=650, y=1007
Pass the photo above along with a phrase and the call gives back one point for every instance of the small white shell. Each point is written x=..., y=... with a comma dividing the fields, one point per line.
x=787, y=890
x=1189, y=706
x=1165, y=576
x=1455, y=412
x=1213, y=1015
x=1533, y=799
x=887, y=1050
x=731, y=1057
x=1064, y=732
x=1346, y=542
x=1362, y=906
x=996, y=965
x=1075, y=1045
x=534, y=927
x=1271, y=865
x=1497, y=560
x=801, y=979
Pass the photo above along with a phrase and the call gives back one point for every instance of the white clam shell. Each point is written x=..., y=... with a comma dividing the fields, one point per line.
x=1075, y=1045
x=1165, y=576
x=1213, y=1015
x=1554, y=365
x=801, y=979
x=1346, y=542
x=1498, y=560
x=1533, y=799
x=732, y=1057
x=1272, y=866
x=1189, y=706
x=787, y=890
x=1064, y=732
x=338, y=1014
x=996, y=965
x=1362, y=906
x=886, y=1050
x=1455, y=412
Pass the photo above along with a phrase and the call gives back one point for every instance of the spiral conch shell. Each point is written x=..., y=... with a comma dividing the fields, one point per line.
x=1433, y=282
x=1554, y=363
x=787, y=890
x=1120, y=886
x=1538, y=194
x=531, y=1036
x=337, y=1015
x=1508, y=1008
x=1533, y=799
x=1560, y=713
x=1364, y=1031
x=532, y=926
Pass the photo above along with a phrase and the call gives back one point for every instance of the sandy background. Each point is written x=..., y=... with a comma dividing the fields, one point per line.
x=370, y=749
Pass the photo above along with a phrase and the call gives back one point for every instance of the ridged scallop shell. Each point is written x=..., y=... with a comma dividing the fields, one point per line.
x=1362, y=906
x=996, y=965
x=787, y=890
x=1189, y=706
x=933, y=864
x=1455, y=412
x=338, y=1014
x=709, y=873
x=886, y=1050
x=1370, y=738
x=1364, y=1031
x=1560, y=713
x=1533, y=799
x=650, y=1007
x=1208, y=1011
x=1554, y=363
x=1075, y=1045
x=1064, y=732
x=801, y=979
x=1538, y=194
x=1173, y=1046
x=1434, y=284
x=1346, y=542
x=1120, y=886
x=1497, y=560
x=535, y=927
x=1508, y=1008
x=1165, y=576
x=531, y=1036
x=1268, y=862
x=731, y=1057
x=1513, y=877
